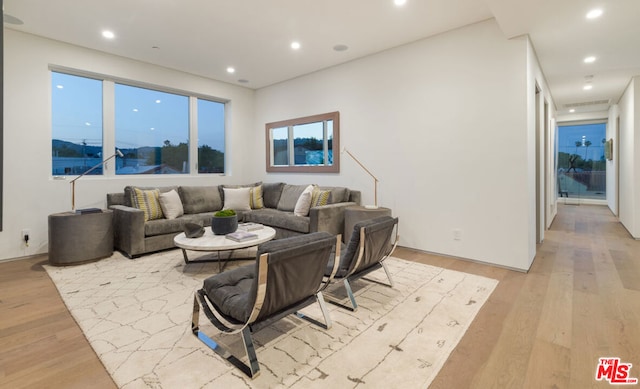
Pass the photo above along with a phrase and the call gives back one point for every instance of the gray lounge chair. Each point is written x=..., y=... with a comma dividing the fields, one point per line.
x=286, y=277
x=372, y=241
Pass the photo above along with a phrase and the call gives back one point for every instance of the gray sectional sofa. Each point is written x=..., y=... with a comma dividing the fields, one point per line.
x=134, y=236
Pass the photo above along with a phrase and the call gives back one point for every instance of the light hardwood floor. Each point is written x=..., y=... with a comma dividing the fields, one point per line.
x=544, y=329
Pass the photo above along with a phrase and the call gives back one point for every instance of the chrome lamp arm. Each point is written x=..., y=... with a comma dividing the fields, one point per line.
x=118, y=153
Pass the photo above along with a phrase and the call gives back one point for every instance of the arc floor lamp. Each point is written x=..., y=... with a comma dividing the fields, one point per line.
x=118, y=153
x=375, y=179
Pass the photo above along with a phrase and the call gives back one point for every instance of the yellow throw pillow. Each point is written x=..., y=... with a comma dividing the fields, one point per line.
x=320, y=197
x=255, y=197
x=148, y=201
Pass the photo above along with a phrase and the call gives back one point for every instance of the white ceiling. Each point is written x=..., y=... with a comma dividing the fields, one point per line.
x=253, y=36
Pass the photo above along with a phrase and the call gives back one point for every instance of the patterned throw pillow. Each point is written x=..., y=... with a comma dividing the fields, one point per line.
x=320, y=197
x=148, y=202
x=255, y=197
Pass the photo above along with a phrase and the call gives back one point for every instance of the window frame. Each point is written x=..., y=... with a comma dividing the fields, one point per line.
x=290, y=123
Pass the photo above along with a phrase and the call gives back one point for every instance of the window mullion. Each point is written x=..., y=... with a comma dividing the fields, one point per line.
x=291, y=147
x=325, y=143
x=193, y=135
x=108, y=127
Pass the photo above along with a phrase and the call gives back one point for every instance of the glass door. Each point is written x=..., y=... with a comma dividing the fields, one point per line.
x=581, y=161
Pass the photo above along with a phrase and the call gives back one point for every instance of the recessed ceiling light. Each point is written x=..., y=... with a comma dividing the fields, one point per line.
x=399, y=2
x=158, y=101
x=590, y=59
x=572, y=110
x=87, y=123
x=295, y=45
x=231, y=70
x=108, y=34
x=340, y=47
x=152, y=128
x=587, y=87
x=594, y=13
x=135, y=110
x=60, y=86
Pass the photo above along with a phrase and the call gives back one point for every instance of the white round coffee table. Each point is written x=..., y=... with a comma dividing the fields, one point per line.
x=219, y=243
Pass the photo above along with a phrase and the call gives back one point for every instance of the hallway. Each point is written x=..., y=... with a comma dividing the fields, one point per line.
x=547, y=328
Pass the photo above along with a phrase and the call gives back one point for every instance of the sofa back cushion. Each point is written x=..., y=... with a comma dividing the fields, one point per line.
x=290, y=196
x=271, y=193
x=199, y=199
x=339, y=194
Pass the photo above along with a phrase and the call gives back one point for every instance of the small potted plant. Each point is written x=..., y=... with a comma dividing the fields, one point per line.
x=224, y=222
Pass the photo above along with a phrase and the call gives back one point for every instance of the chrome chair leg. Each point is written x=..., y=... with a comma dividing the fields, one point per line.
x=325, y=313
x=347, y=286
x=323, y=308
x=252, y=369
x=386, y=270
x=250, y=349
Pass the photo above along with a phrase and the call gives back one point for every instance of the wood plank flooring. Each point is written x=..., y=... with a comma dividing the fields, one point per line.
x=544, y=329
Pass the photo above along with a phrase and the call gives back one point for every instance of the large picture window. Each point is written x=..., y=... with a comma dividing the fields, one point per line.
x=304, y=144
x=152, y=128
x=210, y=136
x=152, y=131
x=76, y=121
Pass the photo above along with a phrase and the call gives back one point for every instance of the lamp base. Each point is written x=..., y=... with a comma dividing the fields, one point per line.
x=371, y=206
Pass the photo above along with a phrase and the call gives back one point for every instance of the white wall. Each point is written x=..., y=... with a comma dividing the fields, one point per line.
x=612, y=165
x=445, y=125
x=628, y=148
x=30, y=192
x=540, y=152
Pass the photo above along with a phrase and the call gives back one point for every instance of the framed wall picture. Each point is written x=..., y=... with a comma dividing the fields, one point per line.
x=608, y=149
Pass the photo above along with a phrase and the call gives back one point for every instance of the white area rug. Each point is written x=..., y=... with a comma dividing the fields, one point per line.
x=137, y=316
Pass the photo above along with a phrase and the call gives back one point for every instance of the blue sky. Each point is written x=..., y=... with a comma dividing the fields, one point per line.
x=143, y=117
x=569, y=135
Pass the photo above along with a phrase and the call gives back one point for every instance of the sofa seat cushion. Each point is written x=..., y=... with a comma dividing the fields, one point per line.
x=279, y=219
x=175, y=226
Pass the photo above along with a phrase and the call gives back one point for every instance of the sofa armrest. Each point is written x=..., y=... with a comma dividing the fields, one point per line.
x=329, y=218
x=128, y=229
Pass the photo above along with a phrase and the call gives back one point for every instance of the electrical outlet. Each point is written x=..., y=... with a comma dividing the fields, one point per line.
x=26, y=236
x=457, y=234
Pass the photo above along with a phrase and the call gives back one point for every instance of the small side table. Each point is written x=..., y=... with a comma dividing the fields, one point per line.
x=75, y=238
x=356, y=214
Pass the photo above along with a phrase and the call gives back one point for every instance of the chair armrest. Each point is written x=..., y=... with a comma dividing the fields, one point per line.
x=128, y=229
x=329, y=218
